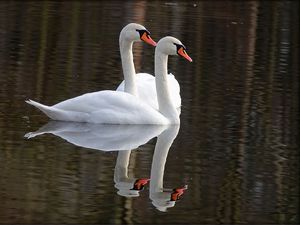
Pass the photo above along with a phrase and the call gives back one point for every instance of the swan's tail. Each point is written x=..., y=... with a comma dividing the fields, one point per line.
x=51, y=112
x=37, y=105
x=59, y=114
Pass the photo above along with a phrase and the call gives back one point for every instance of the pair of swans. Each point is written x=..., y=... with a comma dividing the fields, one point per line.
x=140, y=99
x=122, y=138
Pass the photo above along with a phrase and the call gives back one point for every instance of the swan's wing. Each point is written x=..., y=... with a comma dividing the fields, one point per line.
x=87, y=103
x=105, y=107
x=147, y=89
x=140, y=77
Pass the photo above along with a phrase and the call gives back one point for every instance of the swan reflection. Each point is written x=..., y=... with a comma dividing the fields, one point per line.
x=161, y=197
x=127, y=187
x=100, y=136
x=124, y=138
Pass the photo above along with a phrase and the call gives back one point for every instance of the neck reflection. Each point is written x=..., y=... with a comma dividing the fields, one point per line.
x=163, y=198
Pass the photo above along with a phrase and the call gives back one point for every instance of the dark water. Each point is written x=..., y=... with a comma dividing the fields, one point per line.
x=237, y=148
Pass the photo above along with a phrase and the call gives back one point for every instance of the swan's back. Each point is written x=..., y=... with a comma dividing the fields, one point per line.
x=103, y=107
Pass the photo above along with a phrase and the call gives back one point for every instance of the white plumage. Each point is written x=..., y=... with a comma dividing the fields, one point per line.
x=116, y=107
x=103, y=107
x=147, y=91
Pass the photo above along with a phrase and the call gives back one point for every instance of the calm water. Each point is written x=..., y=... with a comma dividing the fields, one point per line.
x=237, y=148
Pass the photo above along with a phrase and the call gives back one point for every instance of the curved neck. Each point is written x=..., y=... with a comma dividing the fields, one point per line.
x=165, y=105
x=127, y=65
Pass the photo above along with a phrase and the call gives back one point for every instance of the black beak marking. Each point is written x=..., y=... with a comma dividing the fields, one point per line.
x=141, y=32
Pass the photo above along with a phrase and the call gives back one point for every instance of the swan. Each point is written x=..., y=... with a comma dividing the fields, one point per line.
x=141, y=84
x=115, y=107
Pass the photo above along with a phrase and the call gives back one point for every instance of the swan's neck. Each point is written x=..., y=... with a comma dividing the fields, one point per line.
x=127, y=65
x=165, y=105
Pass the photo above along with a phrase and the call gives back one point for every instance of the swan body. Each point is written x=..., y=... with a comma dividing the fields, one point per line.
x=103, y=107
x=114, y=107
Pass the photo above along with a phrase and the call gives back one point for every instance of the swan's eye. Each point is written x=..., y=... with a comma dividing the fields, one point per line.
x=142, y=32
x=178, y=46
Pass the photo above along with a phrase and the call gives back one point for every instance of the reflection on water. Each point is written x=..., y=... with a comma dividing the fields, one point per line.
x=123, y=138
x=237, y=148
x=100, y=136
x=163, y=198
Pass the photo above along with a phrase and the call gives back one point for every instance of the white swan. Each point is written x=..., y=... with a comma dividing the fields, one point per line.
x=141, y=84
x=115, y=107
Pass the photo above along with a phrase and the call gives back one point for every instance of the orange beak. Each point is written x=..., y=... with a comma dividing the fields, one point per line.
x=183, y=53
x=146, y=38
